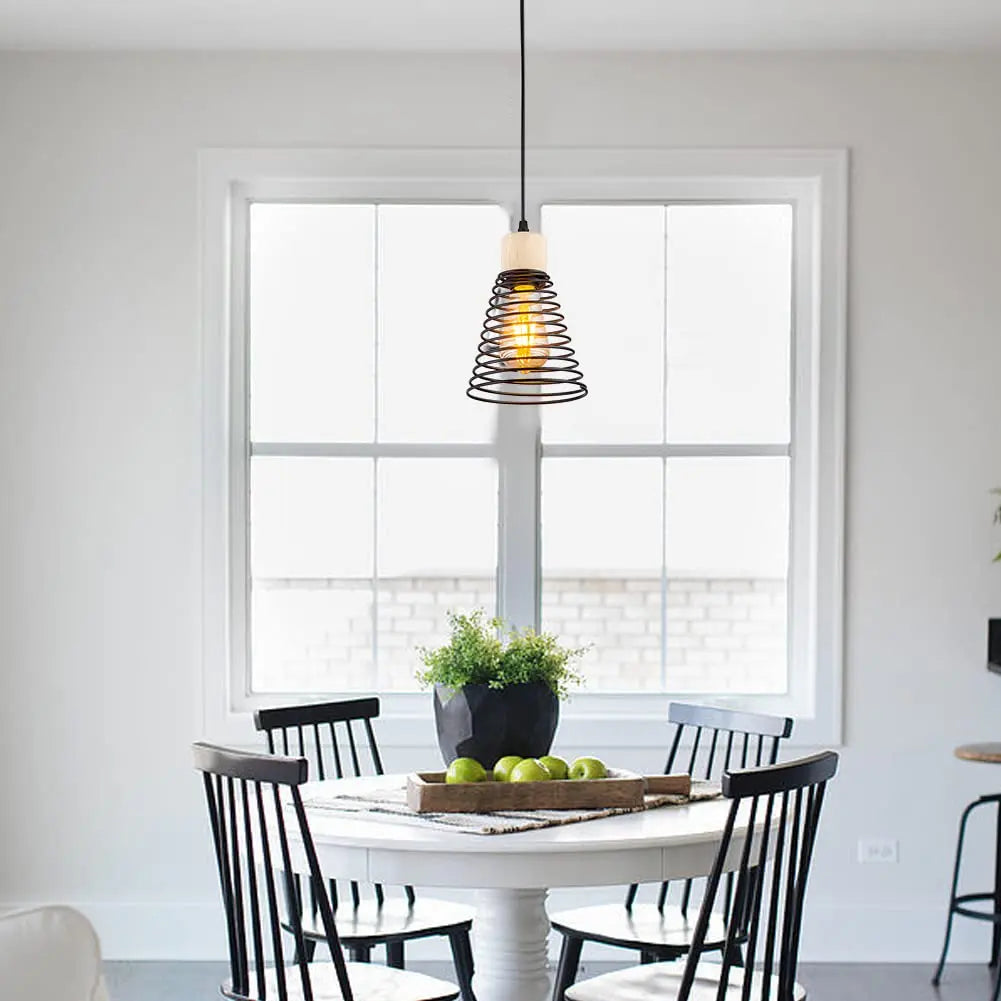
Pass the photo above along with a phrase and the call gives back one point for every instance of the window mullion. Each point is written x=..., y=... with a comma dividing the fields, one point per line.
x=519, y=503
x=518, y=574
x=240, y=563
x=376, y=327
x=664, y=481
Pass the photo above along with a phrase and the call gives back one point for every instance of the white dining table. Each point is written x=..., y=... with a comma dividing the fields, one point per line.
x=512, y=873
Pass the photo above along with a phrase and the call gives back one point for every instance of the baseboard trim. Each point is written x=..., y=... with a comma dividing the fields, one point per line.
x=833, y=933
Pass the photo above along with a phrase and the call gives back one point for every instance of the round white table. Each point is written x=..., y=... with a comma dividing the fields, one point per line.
x=513, y=872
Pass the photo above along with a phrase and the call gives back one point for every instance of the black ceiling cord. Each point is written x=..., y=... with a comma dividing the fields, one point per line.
x=525, y=355
x=522, y=225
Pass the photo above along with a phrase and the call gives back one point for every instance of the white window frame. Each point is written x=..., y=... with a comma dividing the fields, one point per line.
x=814, y=182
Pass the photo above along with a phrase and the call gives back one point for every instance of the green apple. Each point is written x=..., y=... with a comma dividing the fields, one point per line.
x=556, y=766
x=465, y=770
x=530, y=770
x=504, y=767
x=588, y=768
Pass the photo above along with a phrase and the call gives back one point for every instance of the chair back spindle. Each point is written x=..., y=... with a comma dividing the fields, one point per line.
x=247, y=797
x=779, y=808
x=325, y=734
x=721, y=740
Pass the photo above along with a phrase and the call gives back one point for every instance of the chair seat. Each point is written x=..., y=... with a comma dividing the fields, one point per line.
x=642, y=927
x=369, y=982
x=369, y=924
x=662, y=981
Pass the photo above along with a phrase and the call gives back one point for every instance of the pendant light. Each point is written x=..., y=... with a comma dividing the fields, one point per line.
x=524, y=352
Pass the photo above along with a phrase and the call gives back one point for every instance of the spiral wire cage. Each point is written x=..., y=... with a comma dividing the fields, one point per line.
x=524, y=354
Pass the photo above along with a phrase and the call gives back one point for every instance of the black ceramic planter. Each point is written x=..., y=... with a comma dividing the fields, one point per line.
x=485, y=723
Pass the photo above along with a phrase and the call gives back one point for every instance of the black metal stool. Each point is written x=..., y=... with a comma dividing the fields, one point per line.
x=959, y=903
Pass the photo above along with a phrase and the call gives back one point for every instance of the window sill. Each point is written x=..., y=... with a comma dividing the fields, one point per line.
x=619, y=721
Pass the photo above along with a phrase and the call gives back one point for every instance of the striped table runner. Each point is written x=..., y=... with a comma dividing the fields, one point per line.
x=390, y=805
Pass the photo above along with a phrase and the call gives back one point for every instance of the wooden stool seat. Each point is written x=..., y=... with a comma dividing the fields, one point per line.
x=988, y=753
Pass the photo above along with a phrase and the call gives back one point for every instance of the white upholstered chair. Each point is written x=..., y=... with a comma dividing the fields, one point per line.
x=50, y=954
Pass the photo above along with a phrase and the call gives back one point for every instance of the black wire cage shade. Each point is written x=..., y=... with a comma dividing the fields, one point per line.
x=525, y=355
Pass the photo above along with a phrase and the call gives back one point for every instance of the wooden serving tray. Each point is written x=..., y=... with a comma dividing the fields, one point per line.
x=427, y=792
x=674, y=785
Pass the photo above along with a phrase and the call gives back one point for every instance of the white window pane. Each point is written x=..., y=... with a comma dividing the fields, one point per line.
x=311, y=574
x=602, y=558
x=437, y=552
x=727, y=560
x=311, y=517
x=312, y=322
x=729, y=274
x=311, y=637
x=437, y=264
x=607, y=266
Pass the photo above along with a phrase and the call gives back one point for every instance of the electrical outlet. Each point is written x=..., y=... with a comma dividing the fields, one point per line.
x=877, y=850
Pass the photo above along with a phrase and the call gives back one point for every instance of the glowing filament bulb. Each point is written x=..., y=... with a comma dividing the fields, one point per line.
x=525, y=341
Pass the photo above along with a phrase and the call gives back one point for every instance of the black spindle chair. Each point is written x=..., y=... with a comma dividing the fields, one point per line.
x=260, y=833
x=720, y=739
x=779, y=808
x=325, y=734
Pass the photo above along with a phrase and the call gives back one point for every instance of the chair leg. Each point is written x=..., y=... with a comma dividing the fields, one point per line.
x=462, y=959
x=734, y=956
x=566, y=972
x=360, y=953
x=952, y=893
x=996, y=935
x=395, y=955
x=308, y=950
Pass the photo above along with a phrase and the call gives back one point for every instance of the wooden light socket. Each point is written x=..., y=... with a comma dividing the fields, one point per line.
x=523, y=251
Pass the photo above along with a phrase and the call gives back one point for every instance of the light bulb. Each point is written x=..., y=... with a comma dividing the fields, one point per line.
x=525, y=344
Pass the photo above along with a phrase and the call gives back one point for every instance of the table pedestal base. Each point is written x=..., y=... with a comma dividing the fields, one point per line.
x=510, y=935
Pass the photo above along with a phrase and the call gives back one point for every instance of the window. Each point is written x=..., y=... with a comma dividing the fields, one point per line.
x=665, y=493
x=683, y=520
x=373, y=484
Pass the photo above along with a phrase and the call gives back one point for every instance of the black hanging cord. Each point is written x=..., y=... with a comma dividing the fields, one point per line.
x=522, y=225
x=507, y=370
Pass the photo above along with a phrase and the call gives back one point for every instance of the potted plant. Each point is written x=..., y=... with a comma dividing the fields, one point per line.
x=496, y=691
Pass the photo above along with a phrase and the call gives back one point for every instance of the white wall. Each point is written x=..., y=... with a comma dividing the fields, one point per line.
x=99, y=425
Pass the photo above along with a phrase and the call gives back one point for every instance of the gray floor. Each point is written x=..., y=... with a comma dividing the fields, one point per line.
x=825, y=982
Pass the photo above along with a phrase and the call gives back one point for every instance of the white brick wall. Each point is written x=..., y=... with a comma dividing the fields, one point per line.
x=721, y=634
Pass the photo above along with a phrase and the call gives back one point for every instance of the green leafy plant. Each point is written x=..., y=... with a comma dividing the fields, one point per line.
x=997, y=519
x=477, y=654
